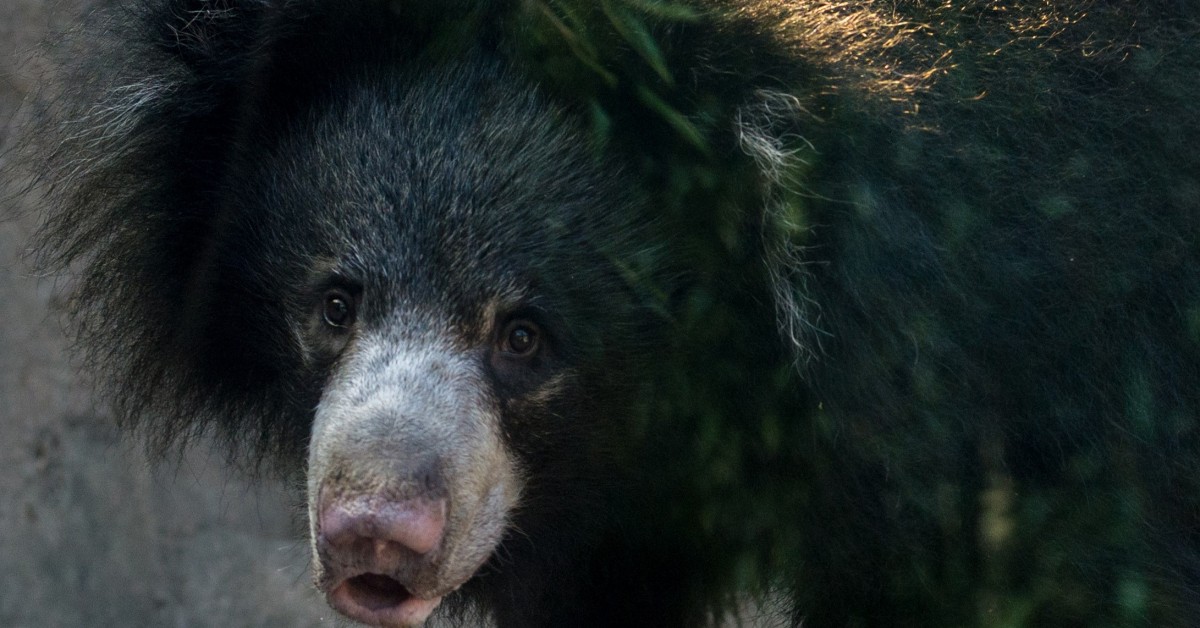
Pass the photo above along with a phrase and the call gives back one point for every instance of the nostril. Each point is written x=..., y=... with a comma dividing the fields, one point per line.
x=416, y=524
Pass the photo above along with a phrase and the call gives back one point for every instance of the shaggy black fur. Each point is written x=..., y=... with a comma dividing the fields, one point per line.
x=893, y=310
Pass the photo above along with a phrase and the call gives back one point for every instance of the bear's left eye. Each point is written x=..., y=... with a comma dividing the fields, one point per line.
x=520, y=339
x=339, y=309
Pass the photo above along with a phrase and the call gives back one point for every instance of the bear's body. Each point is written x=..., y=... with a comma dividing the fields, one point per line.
x=613, y=314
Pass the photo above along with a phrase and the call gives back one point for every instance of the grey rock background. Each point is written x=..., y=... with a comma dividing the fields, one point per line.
x=91, y=532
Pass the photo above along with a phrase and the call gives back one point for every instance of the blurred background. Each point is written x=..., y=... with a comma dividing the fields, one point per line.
x=91, y=532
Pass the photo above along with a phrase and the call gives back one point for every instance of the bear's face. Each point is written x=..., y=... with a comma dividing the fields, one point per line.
x=436, y=252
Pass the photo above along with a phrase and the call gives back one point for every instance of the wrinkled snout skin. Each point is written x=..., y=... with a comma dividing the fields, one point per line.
x=410, y=484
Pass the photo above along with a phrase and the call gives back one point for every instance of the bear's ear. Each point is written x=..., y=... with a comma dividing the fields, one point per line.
x=213, y=38
x=137, y=87
x=132, y=124
x=127, y=146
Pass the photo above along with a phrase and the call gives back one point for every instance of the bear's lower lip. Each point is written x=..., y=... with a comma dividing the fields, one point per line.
x=380, y=600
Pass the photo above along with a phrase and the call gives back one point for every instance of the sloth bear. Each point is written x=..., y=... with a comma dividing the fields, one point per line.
x=638, y=312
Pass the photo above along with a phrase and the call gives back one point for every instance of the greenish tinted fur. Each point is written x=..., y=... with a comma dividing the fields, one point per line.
x=999, y=419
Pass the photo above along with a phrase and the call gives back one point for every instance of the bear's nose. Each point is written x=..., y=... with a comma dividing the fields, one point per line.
x=378, y=552
x=416, y=524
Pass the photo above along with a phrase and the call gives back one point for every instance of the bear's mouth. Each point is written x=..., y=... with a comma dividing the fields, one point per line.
x=380, y=600
x=377, y=591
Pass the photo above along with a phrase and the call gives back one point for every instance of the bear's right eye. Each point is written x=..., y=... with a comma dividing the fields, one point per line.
x=520, y=339
x=339, y=309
